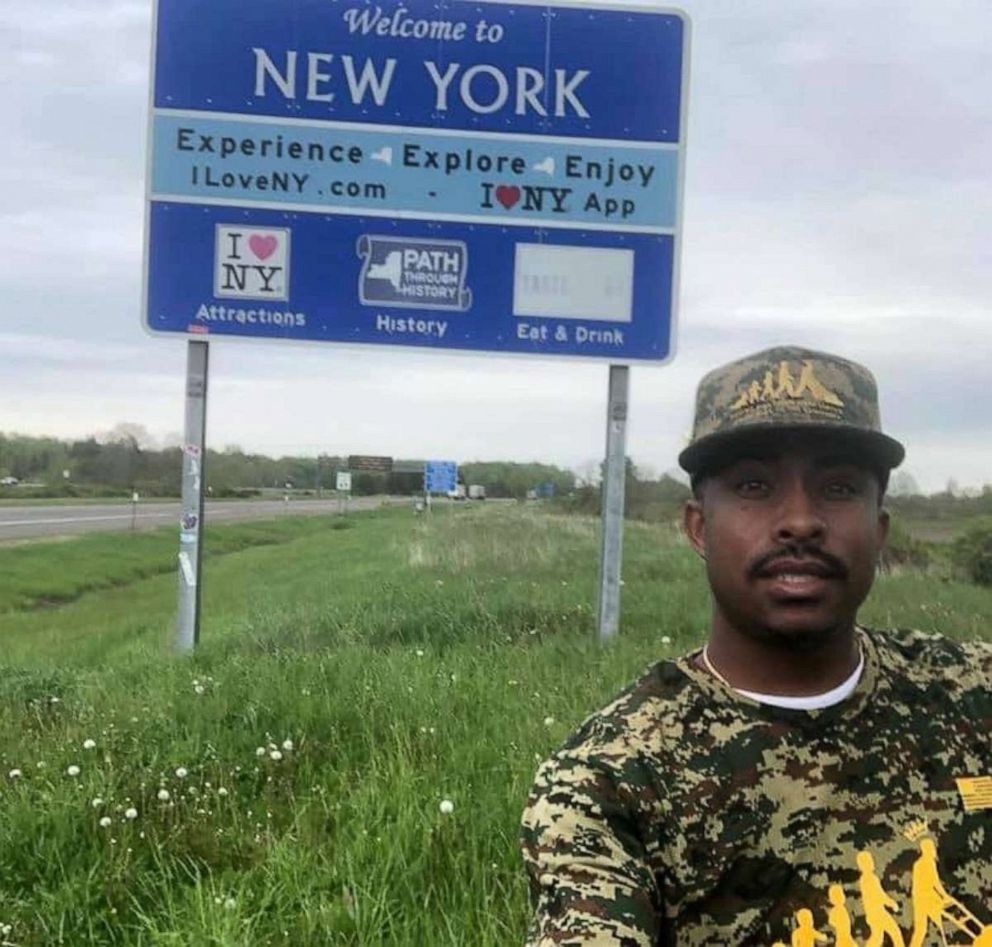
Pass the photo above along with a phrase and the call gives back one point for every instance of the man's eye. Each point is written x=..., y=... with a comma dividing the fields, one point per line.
x=752, y=487
x=841, y=489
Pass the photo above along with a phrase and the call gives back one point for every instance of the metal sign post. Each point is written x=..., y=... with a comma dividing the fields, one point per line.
x=608, y=610
x=191, y=524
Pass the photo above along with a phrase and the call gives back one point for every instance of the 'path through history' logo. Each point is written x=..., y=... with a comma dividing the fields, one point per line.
x=413, y=273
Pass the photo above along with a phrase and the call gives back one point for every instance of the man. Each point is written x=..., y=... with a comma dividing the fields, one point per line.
x=723, y=796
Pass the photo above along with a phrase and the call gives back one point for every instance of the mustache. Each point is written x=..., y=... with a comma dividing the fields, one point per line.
x=834, y=566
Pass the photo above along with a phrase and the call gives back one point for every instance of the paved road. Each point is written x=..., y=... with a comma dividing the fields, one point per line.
x=33, y=522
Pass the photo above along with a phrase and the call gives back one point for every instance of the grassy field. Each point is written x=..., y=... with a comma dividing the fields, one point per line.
x=285, y=783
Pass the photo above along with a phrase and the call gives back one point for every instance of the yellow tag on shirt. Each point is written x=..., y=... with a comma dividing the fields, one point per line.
x=976, y=792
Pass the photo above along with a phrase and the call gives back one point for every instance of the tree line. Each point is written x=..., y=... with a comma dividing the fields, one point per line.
x=123, y=461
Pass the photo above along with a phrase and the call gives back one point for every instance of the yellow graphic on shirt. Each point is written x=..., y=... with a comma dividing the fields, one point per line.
x=976, y=793
x=806, y=935
x=934, y=909
x=930, y=900
x=839, y=919
x=877, y=904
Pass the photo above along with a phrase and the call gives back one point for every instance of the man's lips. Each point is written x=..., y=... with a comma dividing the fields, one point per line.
x=803, y=577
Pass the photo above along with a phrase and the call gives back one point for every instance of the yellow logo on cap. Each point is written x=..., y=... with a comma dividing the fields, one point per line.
x=784, y=386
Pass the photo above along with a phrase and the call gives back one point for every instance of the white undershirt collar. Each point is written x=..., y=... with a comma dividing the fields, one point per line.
x=815, y=702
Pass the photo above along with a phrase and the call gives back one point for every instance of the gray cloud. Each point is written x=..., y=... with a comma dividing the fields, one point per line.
x=838, y=195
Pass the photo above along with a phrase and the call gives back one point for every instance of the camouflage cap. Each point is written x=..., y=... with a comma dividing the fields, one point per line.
x=787, y=388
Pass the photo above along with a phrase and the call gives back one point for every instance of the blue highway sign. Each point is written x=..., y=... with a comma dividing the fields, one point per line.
x=440, y=476
x=485, y=176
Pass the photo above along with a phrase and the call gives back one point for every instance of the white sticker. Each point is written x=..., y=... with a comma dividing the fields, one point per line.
x=188, y=574
x=567, y=282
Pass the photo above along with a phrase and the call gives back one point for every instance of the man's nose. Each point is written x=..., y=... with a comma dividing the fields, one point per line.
x=799, y=516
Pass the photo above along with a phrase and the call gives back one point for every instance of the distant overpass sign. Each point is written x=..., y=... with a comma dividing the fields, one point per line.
x=409, y=466
x=490, y=176
x=371, y=464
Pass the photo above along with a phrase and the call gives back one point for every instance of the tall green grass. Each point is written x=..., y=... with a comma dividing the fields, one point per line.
x=46, y=573
x=407, y=660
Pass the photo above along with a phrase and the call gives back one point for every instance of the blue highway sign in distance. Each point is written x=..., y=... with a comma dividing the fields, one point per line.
x=440, y=476
x=485, y=176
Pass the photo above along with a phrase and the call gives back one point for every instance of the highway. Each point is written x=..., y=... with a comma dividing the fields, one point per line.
x=37, y=522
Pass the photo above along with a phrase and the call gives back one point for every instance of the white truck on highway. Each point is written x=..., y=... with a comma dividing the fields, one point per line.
x=476, y=491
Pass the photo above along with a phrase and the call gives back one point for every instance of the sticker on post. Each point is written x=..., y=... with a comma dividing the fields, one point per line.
x=411, y=273
x=186, y=565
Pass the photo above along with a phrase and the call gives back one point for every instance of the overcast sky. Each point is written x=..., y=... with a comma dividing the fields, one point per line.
x=838, y=195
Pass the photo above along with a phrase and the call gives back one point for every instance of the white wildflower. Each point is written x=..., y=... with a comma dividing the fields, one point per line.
x=15, y=774
x=446, y=807
x=97, y=802
x=182, y=772
x=73, y=770
x=105, y=822
x=222, y=791
x=163, y=795
x=89, y=744
x=200, y=689
x=287, y=745
x=275, y=755
x=549, y=721
x=230, y=904
x=260, y=751
x=131, y=814
x=666, y=640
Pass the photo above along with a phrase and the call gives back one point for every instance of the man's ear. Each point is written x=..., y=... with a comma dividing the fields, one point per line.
x=883, y=526
x=693, y=521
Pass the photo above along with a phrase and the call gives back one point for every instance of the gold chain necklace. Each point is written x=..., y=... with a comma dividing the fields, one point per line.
x=709, y=664
x=709, y=667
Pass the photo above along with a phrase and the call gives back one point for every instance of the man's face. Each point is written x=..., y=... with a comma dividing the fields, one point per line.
x=791, y=532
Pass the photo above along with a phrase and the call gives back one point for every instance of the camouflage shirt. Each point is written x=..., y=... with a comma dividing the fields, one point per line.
x=684, y=813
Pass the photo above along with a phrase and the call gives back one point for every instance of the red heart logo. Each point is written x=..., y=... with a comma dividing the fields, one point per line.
x=508, y=195
x=262, y=247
